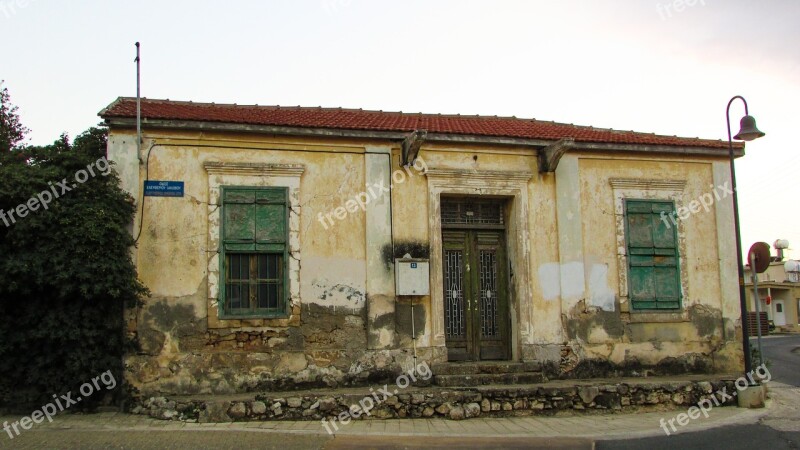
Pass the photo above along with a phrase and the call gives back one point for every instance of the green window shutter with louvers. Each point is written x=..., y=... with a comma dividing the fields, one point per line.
x=254, y=251
x=652, y=255
x=255, y=219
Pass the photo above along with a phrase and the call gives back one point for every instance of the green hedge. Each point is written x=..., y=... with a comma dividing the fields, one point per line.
x=65, y=274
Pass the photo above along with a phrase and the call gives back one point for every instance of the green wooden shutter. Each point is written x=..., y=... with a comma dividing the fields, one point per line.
x=652, y=255
x=239, y=220
x=271, y=214
x=255, y=230
x=255, y=219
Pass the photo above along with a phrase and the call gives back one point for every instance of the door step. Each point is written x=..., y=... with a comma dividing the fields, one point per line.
x=486, y=373
x=469, y=368
x=485, y=379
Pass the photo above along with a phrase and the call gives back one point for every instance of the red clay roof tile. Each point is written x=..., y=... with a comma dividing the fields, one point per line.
x=338, y=118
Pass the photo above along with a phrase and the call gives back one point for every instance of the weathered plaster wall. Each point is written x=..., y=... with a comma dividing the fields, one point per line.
x=185, y=348
x=597, y=318
x=345, y=325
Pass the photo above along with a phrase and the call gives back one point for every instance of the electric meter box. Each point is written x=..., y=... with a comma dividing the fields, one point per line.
x=412, y=276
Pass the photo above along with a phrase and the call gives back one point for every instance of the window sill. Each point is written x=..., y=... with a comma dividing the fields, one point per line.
x=217, y=319
x=254, y=316
x=658, y=316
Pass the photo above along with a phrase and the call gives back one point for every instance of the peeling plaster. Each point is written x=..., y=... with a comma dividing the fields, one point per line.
x=334, y=282
x=566, y=280
x=340, y=290
x=601, y=295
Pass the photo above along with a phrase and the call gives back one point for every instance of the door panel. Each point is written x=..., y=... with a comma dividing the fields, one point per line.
x=476, y=303
x=780, y=313
x=455, y=253
x=491, y=295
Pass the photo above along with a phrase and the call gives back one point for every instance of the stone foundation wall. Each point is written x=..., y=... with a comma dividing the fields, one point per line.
x=452, y=404
x=178, y=354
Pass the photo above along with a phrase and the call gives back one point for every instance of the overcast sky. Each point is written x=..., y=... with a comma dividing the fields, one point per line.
x=653, y=66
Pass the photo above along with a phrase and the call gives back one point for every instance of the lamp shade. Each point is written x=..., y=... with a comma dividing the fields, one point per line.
x=748, y=130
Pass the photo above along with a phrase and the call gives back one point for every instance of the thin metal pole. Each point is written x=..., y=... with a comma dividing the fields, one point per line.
x=138, y=105
x=757, y=302
x=748, y=365
x=414, y=335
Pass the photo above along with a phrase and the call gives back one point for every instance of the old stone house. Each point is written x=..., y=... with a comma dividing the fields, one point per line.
x=292, y=247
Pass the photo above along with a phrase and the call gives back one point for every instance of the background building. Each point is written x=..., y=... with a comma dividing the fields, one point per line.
x=781, y=285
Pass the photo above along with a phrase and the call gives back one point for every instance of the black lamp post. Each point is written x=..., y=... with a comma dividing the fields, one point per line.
x=747, y=132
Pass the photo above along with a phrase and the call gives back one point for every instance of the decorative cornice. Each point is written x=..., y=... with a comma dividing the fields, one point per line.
x=551, y=155
x=649, y=184
x=411, y=146
x=239, y=168
x=486, y=175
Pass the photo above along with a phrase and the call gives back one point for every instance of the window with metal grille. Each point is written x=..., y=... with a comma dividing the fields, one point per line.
x=254, y=282
x=468, y=211
x=653, y=260
x=254, y=252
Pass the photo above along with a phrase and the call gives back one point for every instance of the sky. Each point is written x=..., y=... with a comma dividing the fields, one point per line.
x=668, y=67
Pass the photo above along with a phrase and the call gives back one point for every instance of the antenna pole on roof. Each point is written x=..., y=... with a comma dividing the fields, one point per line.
x=138, y=105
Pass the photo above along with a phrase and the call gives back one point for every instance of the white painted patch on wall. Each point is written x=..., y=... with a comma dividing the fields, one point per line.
x=601, y=296
x=567, y=280
x=550, y=280
x=572, y=281
x=333, y=282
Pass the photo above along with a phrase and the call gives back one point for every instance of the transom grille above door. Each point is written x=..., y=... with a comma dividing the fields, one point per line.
x=471, y=211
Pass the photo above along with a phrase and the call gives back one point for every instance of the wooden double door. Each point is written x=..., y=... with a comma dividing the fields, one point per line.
x=475, y=294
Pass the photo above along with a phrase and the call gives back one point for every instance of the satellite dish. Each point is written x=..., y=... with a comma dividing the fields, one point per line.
x=760, y=257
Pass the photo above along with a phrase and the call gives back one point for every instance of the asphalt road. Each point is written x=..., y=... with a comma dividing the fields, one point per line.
x=783, y=355
x=231, y=440
x=783, y=352
x=743, y=437
x=152, y=440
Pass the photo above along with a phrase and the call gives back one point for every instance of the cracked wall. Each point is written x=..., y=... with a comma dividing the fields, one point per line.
x=183, y=346
x=602, y=333
x=345, y=324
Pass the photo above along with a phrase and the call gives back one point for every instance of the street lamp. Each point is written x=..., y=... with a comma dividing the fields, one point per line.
x=747, y=132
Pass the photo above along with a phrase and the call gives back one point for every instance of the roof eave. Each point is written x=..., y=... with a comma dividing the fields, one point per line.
x=654, y=148
x=104, y=112
x=129, y=122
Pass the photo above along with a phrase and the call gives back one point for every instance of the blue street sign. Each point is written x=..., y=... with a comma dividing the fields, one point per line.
x=163, y=188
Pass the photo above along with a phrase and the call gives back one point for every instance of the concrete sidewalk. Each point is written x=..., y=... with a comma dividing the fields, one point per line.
x=595, y=426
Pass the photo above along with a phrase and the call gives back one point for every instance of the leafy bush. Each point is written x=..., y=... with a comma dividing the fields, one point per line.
x=65, y=273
